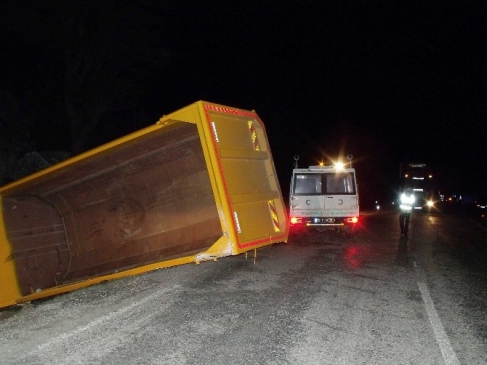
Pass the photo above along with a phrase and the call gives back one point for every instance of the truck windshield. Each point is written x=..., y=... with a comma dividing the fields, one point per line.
x=328, y=183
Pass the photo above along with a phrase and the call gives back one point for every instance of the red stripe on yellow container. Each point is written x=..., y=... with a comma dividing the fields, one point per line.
x=275, y=219
x=253, y=135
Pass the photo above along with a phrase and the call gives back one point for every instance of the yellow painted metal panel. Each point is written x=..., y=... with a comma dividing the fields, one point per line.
x=9, y=289
x=247, y=173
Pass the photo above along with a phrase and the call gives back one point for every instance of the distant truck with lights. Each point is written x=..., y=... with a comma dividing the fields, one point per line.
x=420, y=178
x=324, y=198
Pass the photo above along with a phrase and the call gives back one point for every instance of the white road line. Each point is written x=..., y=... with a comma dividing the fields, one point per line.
x=449, y=355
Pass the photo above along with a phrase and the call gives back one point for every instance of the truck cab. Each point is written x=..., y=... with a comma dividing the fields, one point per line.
x=324, y=197
x=419, y=177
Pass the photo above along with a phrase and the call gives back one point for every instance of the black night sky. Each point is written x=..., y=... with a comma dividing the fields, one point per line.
x=385, y=81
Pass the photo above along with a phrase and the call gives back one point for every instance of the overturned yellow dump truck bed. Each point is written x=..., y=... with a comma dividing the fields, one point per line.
x=198, y=185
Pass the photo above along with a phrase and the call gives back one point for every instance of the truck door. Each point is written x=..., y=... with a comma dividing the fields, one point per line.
x=307, y=190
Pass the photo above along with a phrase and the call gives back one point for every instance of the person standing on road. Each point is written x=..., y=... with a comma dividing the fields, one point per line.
x=406, y=206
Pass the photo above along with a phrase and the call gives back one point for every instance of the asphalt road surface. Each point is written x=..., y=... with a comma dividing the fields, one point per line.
x=319, y=299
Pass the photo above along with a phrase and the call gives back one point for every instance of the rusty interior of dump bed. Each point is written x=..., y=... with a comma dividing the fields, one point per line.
x=143, y=201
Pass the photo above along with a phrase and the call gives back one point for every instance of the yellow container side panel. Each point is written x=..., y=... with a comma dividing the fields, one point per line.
x=9, y=288
x=255, y=222
x=209, y=144
x=198, y=113
x=247, y=173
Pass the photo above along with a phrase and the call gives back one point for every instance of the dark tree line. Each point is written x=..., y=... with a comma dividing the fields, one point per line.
x=68, y=67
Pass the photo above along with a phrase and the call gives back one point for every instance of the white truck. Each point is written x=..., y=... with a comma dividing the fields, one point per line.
x=324, y=197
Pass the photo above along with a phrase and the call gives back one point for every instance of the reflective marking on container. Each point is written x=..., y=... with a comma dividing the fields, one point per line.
x=275, y=219
x=237, y=223
x=253, y=136
x=214, y=131
x=221, y=109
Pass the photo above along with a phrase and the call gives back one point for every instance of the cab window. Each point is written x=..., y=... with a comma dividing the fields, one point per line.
x=340, y=183
x=308, y=184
